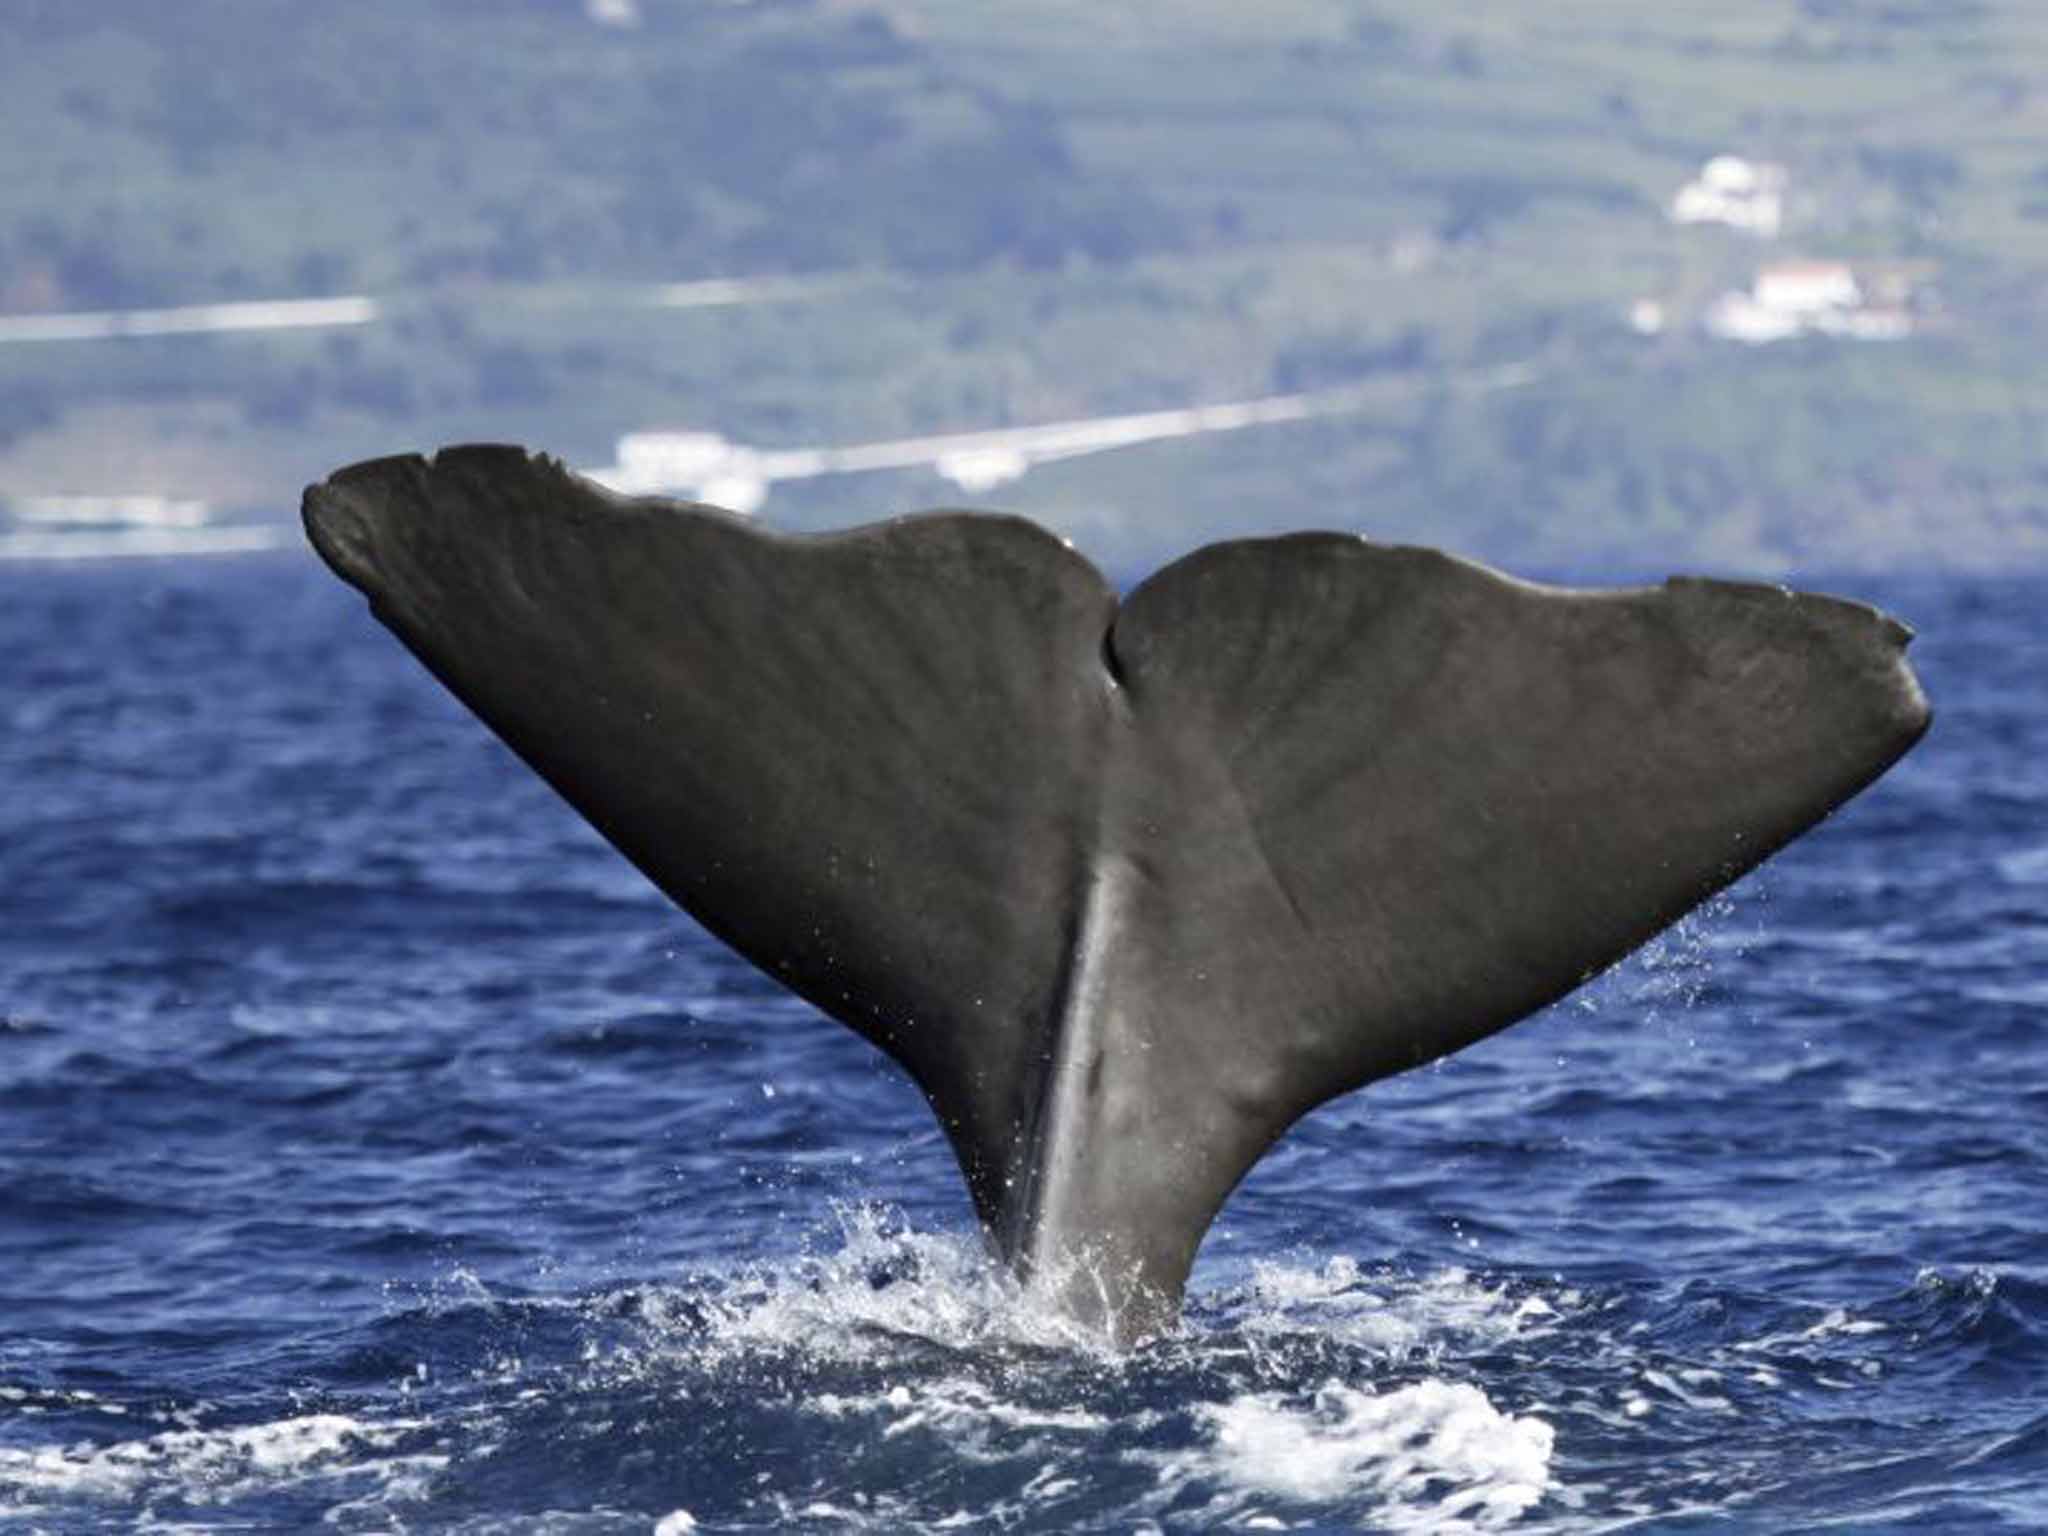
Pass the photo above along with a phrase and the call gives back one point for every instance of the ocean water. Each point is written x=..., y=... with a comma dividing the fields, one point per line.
x=379, y=1153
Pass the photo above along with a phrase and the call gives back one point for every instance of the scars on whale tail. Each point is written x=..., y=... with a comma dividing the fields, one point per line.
x=1126, y=886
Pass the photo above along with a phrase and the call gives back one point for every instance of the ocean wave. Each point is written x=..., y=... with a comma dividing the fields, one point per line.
x=886, y=1379
x=205, y=1467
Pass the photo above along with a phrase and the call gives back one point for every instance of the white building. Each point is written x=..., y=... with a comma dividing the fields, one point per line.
x=704, y=465
x=1737, y=316
x=1806, y=287
x=1795, y=298
x=1743, y=194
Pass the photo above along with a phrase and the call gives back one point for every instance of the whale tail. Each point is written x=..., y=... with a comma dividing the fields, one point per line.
x=1126, y=886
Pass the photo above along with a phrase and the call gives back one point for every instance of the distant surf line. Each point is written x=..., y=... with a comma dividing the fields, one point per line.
x=114, y=543
x=192, y=319
x=355, y=309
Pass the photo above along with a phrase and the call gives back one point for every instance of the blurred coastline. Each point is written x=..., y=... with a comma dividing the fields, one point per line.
x=1772, y=271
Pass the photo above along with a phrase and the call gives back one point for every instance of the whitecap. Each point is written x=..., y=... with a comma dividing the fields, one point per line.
x=1433, y=1455
x=214, y=1465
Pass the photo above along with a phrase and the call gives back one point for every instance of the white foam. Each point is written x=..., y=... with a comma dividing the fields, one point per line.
x=964, y=1412
x=881, y=1285
x=210, y=1465
x=1389, y=1314
x=1431, y=1456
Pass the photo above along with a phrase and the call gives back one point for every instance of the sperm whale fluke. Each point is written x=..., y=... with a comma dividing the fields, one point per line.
x=1127, y=887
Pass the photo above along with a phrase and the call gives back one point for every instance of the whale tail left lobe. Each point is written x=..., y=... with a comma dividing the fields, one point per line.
x=1127, y=887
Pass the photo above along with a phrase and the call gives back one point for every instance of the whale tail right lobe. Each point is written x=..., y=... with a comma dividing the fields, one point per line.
x=1127, y=887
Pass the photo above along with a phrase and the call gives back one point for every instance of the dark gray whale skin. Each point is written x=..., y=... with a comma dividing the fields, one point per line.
x=1127, y=887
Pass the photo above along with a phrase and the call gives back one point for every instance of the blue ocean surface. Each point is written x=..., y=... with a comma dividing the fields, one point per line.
x=378, y=1152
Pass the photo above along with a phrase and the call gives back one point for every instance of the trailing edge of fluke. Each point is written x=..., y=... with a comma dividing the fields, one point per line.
x=1126, y=886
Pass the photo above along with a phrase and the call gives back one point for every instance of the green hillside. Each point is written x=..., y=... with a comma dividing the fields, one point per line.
x=1047, y=210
